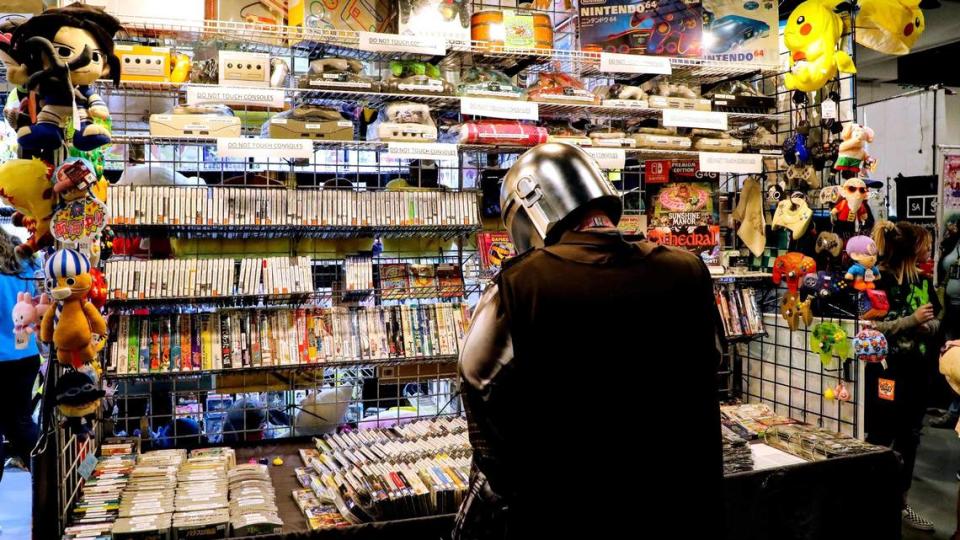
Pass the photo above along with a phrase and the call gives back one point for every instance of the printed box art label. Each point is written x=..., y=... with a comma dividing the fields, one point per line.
x=659, y=28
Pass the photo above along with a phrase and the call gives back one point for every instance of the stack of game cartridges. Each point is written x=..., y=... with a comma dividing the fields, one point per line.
x=148, y=500
x=253, y=502
x=201, y=498
x=95, y=515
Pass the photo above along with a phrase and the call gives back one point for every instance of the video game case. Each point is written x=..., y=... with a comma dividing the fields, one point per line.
x=226, y=341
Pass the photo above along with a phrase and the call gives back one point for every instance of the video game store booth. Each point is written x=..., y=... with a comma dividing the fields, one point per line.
x=479, y=269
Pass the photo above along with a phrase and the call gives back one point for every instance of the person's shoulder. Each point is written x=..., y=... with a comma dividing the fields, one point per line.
x=513, y=264
x=671, y=259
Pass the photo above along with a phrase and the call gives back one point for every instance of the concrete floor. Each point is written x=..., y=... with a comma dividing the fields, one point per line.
x=15, y=505
x=934, y=491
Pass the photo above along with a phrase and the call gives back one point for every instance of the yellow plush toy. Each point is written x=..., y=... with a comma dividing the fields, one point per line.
x=889, y=26
x=813, y=35
x=25, y=185
x=74, y=326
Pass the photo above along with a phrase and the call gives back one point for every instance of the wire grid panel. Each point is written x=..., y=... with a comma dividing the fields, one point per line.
x=70, y=455
x=781, y=371
x=226, y=408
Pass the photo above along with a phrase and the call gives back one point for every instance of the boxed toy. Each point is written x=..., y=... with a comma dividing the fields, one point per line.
x=662, y=28
x=358, y=15
x=740, y=31
x=449, y=19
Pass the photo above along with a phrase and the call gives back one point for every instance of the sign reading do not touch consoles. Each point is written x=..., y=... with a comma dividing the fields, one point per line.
x=720, y=162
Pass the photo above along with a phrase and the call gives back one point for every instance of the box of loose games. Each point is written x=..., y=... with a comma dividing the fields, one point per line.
x=423, y=280
x=450, y=279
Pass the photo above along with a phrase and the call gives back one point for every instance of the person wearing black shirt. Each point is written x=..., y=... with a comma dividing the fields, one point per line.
x=583, y=357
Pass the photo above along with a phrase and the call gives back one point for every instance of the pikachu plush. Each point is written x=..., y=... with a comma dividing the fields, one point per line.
x=813, y=35
x=74, y=325
x=889, y=26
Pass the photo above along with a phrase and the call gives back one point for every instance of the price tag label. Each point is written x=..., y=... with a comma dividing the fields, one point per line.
x=259, y=97
x=720, y=162
x=264, y=149
x=695, y=119
x=633, y=63
x=828, y=110
x=500, y=108
x=87, y=466
x=434, y=151
x=376, y=42
x=608, y=158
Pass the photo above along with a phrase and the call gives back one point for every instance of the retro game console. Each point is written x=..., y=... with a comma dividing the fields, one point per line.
x=657, y=138
x=338, y=74
x=309, y=122
x=142, y=63
x=244, y=69
x=196, y=121
x=405, y=122
x=612, y=139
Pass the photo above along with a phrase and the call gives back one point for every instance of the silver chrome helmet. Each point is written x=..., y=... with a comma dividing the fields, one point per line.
x=547, y=184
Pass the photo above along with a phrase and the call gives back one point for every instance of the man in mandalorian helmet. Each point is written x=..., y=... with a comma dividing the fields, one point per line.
x=581, y=339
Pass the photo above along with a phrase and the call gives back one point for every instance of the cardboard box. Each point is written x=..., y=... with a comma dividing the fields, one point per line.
x=660, y=28
x=152, y=13
x=357, y=15
x=737, y=31
x=449, y=19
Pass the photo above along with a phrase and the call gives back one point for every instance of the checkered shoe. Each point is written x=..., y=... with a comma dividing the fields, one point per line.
x=914, y=520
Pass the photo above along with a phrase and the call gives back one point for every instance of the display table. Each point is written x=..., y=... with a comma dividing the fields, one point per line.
x=854, y=497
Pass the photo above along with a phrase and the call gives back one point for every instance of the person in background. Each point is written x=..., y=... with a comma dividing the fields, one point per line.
x=950, y=279
x=553, y=432
x=897, y=390
x=18, y=367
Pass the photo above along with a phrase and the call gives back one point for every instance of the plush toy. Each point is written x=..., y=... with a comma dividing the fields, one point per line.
x=841, y=392
x=828, y=340
x=853, y=149
x=864, y=272
x=870, y=345
x=851, y=207
x=43, y=304
x=65, y=50
x=791, y=268
x=98, y=288
x=78, y=400
x=812, y=35
x=75, y=326
x=25, y=185
x=889, y=26
x=24, y=319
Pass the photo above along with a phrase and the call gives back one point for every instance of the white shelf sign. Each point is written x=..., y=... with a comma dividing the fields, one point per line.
x=500, y=108
x=720, y=162
x=262, y=97
x=608, y=158
x=695, y=119
x=264, y=149
x=633, y=63
x=434, y=151
x=376, y=42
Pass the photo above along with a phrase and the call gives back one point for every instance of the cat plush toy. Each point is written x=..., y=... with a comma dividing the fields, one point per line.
x=74, y=325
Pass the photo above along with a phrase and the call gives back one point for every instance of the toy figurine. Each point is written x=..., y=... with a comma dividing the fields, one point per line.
x=65, y=50
x=812, y=35
x=25, y=185
x=74, y=326
x=852, y=208
x=78, y=399
x=24, y=319
x=864, y=272
x=853, y=149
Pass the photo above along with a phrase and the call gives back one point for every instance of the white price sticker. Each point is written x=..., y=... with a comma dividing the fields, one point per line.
x=694, y=119
x=376, y=42
x=633, y=63
x=720, y=162
x=500, y=108
x=608, y=158
x=828, y=110
x=434, y=151
x=264, y=149
x=260, y=97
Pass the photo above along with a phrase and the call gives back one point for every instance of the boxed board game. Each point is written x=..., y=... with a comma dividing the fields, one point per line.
x=740, y=31
x=660, y=28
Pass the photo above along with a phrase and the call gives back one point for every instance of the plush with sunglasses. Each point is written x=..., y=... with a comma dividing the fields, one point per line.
x=63, y=51
x=852, y=206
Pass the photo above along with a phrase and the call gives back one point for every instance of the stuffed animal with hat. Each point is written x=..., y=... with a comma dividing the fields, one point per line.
x=812, y=35
x=852, y=208
x=828, y=340
x=889, y=26
x=74, y=326
x=25, y=185
x=870, y=345
x=78, y=400
x=864, y=272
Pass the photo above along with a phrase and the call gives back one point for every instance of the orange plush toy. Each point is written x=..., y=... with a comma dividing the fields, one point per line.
x=74, y=326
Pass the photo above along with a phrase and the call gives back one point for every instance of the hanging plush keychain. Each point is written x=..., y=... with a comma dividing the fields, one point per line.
x=78, y=400
x=812, y=35
x=74, y=326
x=889, y=26
x=65, y=50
